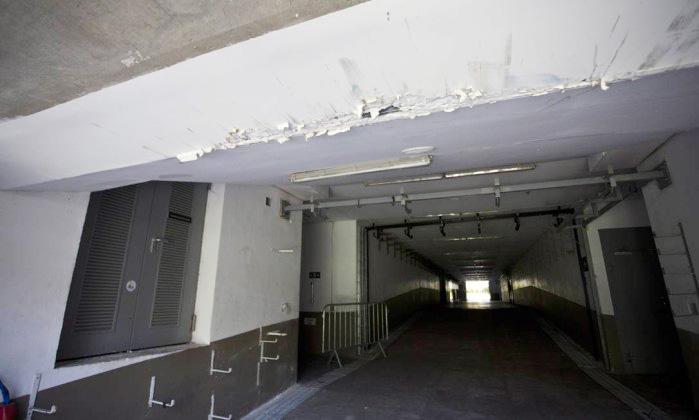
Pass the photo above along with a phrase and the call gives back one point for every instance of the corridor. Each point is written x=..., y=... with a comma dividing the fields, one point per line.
x=477, y=361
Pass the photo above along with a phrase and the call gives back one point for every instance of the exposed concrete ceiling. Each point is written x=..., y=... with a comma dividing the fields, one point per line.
x=52, y=52
x=336, y=72
x=485, y=83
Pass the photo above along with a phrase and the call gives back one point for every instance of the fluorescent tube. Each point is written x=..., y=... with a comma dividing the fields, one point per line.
x=485, y=171
x=362, y=168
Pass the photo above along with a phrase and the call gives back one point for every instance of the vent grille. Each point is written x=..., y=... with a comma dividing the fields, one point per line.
x=171, y=270
x=99, y=293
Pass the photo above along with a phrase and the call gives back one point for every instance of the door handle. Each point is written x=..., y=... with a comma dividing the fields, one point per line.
x=155, y=240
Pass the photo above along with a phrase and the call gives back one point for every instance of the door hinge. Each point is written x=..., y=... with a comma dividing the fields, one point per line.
x=194, y=322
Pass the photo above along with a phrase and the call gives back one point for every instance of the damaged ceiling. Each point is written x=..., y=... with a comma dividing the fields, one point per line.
x=378, y=66
x=233, y=93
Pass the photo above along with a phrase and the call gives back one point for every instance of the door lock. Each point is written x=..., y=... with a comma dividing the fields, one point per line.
x=130, y=285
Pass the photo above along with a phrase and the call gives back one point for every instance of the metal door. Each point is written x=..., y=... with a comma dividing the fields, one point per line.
x=647, y=333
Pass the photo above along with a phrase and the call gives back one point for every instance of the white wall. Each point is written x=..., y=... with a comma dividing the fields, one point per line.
x=390, y=275
x=551, y=264
x=330, y=248
x=243, y=282
x=39, y=238
x=627, y=214
x=254, y=280
x=678, y=202
x=345, y=282
x=208, y=264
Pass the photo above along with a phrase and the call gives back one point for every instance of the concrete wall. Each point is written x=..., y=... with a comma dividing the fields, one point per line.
x=548, y=279
x=679, y=203
x=329, y=248
x=39, y=237
x=244, y=285
x=404, y=285
x=254, y=280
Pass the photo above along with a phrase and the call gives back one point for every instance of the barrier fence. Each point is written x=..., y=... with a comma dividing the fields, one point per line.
x=347, y=325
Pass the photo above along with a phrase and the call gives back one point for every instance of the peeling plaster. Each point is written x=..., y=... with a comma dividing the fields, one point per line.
x=408, y=106
x=293, y=84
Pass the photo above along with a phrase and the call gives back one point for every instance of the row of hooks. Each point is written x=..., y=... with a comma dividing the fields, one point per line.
x=151, y=392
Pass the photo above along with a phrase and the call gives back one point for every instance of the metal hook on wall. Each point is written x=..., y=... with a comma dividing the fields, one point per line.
x=211, y=367
x=408, y=230
x=214, y=416
x=32, y=400
x=151, y=394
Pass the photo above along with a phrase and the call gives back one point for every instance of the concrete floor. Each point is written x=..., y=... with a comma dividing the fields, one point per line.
x=480, y=361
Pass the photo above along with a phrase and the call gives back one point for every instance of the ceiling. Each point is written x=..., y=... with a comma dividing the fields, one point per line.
x=52, y=52
x=333, y=74
x=489, y=83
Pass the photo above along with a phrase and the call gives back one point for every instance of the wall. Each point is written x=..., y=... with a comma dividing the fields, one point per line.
x=39, y=237
x=331, y=249
x=679, y=203
x=547, y=278
x=404, y=285
x=253, y=279
x=250, y=281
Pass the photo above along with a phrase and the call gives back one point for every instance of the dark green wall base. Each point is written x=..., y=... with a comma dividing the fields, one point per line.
x=690, y=351
x=569, y=316
x=310, y=335
x=184, y=376
x=401, y=307
x=611, y=337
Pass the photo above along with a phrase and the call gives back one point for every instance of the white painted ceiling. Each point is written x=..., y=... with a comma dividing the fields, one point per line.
x=486, y=83
x=319, y=76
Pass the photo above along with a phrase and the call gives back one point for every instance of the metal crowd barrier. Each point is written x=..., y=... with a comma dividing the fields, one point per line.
x=347, y=325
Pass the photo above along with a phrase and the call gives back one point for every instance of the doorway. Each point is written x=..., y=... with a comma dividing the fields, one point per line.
x=647, y=334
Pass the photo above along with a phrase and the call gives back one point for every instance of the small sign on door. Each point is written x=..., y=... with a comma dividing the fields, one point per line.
x=314, y=274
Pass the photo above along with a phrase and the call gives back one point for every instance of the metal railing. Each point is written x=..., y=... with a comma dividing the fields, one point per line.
x=347, y=325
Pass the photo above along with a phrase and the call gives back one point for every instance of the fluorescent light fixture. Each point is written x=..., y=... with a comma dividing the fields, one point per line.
x=486, y=171
x=417, y=150
x=470, y=238
x=456, y=174
x=404, y=180
x=362, y=168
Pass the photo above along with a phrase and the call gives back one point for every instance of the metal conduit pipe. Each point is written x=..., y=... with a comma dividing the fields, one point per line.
x=405, y=198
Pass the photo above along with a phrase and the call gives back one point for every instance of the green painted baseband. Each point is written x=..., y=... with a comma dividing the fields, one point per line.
x=183, y=376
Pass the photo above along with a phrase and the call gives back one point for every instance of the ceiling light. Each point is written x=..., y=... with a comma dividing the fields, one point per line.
x=362, y=168
x=418, y=150
x=456, y=174
x=405, y=180
x=486, y=171
x=470, y=238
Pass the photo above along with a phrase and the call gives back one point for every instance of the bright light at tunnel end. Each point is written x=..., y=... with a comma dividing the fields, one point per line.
x=477, y=291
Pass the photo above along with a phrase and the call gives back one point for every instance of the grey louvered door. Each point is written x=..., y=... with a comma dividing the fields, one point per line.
x=171, y=265
x=98, y=317
x=135, y=275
